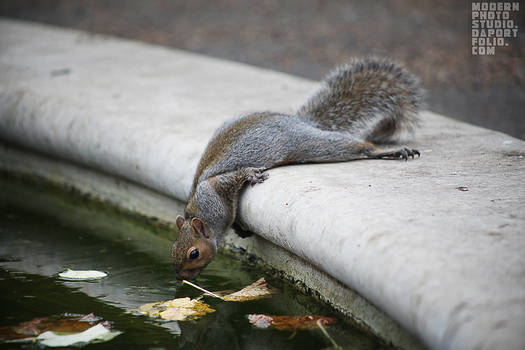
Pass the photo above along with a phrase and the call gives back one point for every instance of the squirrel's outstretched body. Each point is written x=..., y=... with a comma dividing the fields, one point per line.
x=366, y=101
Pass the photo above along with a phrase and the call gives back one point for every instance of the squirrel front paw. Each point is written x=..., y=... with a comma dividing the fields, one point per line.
x=256, y=175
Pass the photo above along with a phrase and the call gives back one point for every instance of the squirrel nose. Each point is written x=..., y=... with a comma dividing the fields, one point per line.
x=188, y=274
x=181, y=275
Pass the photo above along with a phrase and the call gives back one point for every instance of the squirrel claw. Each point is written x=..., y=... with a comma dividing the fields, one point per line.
x=412, y=152
x=403, y=153
x=408, y=152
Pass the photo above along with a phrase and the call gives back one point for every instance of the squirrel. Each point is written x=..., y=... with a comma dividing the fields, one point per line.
x=364, y=102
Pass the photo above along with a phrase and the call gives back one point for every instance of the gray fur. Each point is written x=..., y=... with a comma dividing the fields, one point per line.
x=366, y=100
x=370, y=98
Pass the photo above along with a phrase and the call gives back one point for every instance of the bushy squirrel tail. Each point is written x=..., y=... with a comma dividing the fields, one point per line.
x=371, y=98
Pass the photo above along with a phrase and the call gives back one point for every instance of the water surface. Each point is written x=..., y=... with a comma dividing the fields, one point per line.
x=42, y=233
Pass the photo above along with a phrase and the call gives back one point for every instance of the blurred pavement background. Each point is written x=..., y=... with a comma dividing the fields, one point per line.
x=308, y=37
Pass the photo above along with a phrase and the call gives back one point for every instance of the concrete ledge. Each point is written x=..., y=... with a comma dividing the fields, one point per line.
x=436, y=243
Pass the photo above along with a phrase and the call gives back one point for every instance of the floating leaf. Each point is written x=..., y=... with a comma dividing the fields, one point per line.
x=289, y=323
x=87, y=275
x=179, y=309
x=150, y=308
x=30, y=329
x=182, y=309
x=257, y=290
x=64, y=331
x=177, y=314
x=97, y=333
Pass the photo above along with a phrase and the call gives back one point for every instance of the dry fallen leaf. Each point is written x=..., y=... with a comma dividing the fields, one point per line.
x=289, y=323
x=181, y=303
x=29, y=329
x=45, y=328
x=150, y=308
x=95, y=334
x=179, y=309
x=257, y=290
x=177, y=314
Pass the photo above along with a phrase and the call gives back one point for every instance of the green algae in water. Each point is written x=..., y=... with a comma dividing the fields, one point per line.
x=42, y=234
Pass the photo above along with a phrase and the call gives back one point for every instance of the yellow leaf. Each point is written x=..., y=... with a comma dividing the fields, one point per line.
x=179, y=302
x=176, y=314
x=147, y=308
x=179, y=309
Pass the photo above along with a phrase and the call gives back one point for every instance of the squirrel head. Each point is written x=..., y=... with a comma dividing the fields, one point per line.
x=194, y=248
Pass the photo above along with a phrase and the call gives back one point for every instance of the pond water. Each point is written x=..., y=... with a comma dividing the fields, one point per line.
x=43, y=232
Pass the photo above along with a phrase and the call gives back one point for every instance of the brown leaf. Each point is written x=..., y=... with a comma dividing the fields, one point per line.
x=289, y=323
x=257, y=290
x=37, y=326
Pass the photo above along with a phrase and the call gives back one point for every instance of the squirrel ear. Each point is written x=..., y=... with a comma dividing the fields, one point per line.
x=179, y=221
x=200, y=227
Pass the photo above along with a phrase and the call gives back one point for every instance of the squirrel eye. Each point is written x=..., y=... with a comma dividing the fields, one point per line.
x=194, y=254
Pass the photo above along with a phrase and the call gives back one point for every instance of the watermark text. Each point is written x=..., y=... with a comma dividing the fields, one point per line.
x=492, y=26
